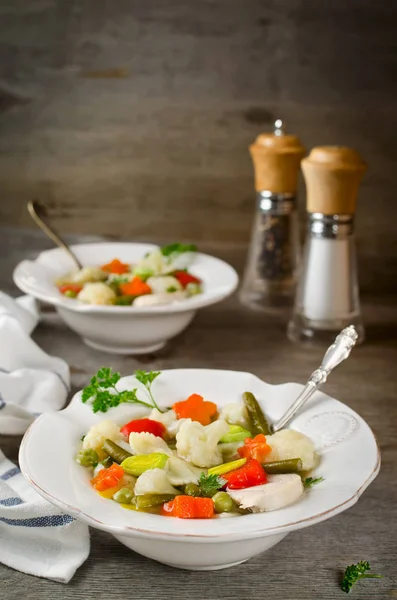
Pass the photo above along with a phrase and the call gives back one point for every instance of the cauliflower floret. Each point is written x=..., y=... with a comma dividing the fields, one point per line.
x=169, y=420
x=166, y=418
x=88, y=275
x=287, y=443
x=99, y=433
x=198, y=444
x=97, y=293
x=146, y=443
x=236, y=414
x=152, y=263
x=165, y=283
x=175, y=427
x=154, y=481
x=179, y=472
x=229, y=450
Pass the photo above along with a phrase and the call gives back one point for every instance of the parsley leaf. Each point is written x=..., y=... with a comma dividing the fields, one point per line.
x=147, y=378
x=210, y=484
x=355, y=572
x=103, y=394
x=177, y=249
x=310, y=481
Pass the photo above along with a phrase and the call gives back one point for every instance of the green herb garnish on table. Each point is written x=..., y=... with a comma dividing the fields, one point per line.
x=355, y=572
x=310, y=481
x=103, y=394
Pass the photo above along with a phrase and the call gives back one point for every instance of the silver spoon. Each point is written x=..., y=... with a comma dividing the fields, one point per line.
x=36, y=211
x=335, y=354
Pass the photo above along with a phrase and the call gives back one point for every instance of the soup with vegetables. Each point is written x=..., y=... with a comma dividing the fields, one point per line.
x=160, y=277
x=195, y=460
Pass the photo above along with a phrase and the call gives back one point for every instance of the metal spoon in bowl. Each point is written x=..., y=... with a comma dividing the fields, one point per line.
x=335, y=354
x=37, y=211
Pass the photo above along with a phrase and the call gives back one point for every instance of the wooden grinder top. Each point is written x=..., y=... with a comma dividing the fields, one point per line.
x=276, y=157
x=333, y=175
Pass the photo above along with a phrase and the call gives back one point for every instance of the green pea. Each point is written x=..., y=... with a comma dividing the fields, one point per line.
x=70, y=294
x=124, y=496
x=223, y=502
x=87, y=458
x=191, y=489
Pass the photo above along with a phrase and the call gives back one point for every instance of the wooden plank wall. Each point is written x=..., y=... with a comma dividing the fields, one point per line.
x=133, y=118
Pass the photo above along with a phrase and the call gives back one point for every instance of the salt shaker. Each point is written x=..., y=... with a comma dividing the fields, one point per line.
x=327, y=298
x=270, y=275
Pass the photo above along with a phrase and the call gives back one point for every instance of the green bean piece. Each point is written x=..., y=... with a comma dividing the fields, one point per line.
x=87, y=458
x=124, y=300
x=223, y=503
x=191, y=489
x=70, y=294
x=107, y=462
x=291, y=465
x=115, y=452
x=255, y=414
x=150, y=500
x=124, y=496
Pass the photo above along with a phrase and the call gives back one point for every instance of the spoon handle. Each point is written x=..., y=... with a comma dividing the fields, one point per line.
x=34, y=209
x=335, y=354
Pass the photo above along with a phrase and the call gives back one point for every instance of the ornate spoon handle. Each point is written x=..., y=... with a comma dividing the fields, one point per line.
x=335, y=354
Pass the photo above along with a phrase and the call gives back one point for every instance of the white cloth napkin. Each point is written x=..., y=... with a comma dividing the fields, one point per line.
x=35, y=537
x=31, y=381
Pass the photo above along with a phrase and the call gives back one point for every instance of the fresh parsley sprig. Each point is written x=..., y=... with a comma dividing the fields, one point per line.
x=147, y=378
x=103, y=394
x=210, y=484
x=177, y=249
x=310, y=481
x=355, y=572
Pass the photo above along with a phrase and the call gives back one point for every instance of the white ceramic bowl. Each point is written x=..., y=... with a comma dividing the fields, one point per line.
x=122, y=329
x=350, y=460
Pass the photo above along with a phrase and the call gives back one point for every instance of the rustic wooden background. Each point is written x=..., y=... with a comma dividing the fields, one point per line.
x=133, y=118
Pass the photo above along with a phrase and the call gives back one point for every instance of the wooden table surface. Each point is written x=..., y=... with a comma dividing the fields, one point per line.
x=305, y=565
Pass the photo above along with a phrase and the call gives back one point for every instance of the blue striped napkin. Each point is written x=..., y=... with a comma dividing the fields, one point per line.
x=35, y=537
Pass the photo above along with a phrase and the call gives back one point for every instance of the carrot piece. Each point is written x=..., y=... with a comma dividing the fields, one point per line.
x=184, y=507
x=204, y=508
x=167, y=509
x=107, y=478
x=189, y=507
x=195, y=408
x=136, y=287
x=70, y=287
x=256, y=448
x=116, y=266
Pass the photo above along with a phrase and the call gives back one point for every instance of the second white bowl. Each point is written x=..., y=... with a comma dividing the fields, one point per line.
x=122, y=329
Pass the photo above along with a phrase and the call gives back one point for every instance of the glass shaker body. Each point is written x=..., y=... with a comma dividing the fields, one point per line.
x=274, y=255
x=327, y=298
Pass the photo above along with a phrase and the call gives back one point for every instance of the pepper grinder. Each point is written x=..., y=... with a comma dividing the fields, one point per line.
x=327, y=298
x=270, y=275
